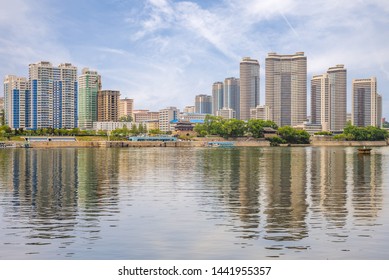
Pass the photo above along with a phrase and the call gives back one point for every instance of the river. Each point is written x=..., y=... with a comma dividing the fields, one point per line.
x=194, y=203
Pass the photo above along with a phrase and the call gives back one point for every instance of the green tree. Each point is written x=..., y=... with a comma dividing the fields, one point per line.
x=155, y=131
x=294, y=136
x=126, y=118
x=256, y=127
x=2, y=117
x=232, y=128
x=369, y=133
x=134, y=130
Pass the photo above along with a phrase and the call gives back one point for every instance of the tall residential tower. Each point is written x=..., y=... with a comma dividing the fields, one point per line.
x=203, y=104
x=217, y=97
x=16, y=102
x=366, y=103
x=249, y=86
x=232, y=95
x=286, y=88
x=89, y=84
x=329, y=99
x=54, y=94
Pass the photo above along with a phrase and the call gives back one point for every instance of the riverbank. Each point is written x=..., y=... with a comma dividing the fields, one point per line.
x=182, y=144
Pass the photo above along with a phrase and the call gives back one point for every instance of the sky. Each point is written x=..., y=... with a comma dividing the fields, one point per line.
x=165, y=52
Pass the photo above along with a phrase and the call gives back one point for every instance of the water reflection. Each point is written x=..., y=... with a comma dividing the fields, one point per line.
x=178, y=203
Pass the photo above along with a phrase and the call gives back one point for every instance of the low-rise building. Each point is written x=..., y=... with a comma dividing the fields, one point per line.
x=109, y=126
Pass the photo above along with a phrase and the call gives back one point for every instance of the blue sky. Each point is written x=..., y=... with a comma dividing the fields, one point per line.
x=164, y=52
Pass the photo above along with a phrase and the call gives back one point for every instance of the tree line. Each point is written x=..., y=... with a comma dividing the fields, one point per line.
x=252, y=128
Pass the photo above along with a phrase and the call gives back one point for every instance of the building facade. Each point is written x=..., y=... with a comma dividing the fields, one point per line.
x=226, y=113
x=203, y=104
x=89, y=84
x=249, y=86
x=232, y=95
x=217, y=97
x=329, y=99
x=54, y=95
x=126, y=107
x=141, y=116
x=16, y=102
x=286, y=88
x=261, y=112
x=108, y=105
x=190, y=109
x=166, y=116
x=366, y=103
x=65, y=98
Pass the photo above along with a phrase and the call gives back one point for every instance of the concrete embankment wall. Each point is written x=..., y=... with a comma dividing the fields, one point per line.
x=111, y=144
x=118, y=144
x=349, y=143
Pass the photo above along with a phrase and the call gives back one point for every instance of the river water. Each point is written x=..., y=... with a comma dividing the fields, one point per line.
x=194, y=203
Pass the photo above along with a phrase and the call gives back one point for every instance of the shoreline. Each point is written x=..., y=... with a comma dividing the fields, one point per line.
x=181, y=144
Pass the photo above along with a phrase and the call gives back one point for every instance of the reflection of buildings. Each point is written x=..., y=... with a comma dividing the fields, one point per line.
x=97, y=177
x=44, y=189
x=236, y=174
x=367, y=181
x=329, y=190
x=341, y=179
x=286, y=209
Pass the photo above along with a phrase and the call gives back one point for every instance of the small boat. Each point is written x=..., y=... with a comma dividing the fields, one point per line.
x=364, y=150
x=224, y=144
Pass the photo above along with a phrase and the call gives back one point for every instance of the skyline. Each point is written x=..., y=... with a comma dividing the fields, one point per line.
x=164, y=53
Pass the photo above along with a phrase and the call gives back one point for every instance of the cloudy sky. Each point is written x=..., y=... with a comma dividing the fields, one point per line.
x=164, y=52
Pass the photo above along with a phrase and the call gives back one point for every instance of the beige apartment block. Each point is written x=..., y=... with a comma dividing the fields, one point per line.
x=366, y=103
x=108, y=105
x=329, y=99
x=141, y=116
x=261, y=112
x=126, y=107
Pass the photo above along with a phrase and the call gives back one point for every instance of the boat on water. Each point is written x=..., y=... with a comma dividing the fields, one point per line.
x=216, y=144
x=364, y=151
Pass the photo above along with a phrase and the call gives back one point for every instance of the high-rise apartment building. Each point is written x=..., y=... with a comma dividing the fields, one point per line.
x=126, y=107
x=249, y=86
x=54, y=93
x=16, y=102
x=366, y=103
x=379, y=111
x=329, y=99
x=286, y=88
x=108, y=105
x=232, y=95
x=217, y=97
x=89, y=84
x=166, y=116
x=203, y=104
x=65, y=98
